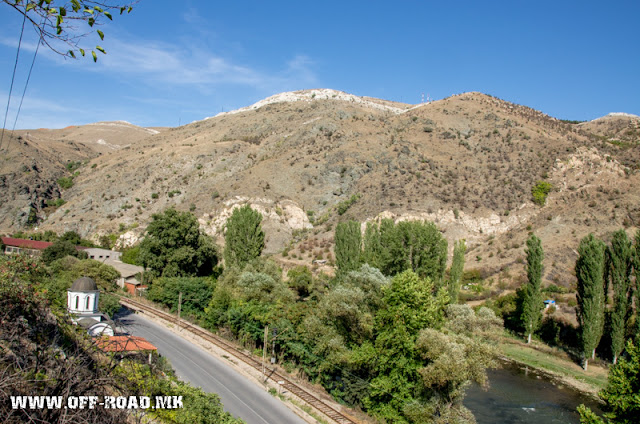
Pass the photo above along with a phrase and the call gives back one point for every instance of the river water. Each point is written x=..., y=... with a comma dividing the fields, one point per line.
x=521, y=395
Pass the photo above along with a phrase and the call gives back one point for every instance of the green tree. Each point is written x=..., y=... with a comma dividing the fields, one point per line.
x=174, y=246
x=415, y=245
x=348, y=242
x=457, y=268
x=619, y=265
x=371, y=245
x=636, y=270
x=300, y=280
x=244, y=238
x=532, y=297
x=590, y=295
x=131, y=255
x=56, y=22
x=621, y=397
x=59, y=250
x=196, y=293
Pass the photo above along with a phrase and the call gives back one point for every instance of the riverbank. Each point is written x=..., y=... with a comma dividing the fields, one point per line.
x=555, y=364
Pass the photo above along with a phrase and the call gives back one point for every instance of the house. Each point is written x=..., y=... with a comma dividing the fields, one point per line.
x=16, y=246
x=101, y=254
x=126, y=345
x=129, y=273
x=548, y=303
x=82, y=304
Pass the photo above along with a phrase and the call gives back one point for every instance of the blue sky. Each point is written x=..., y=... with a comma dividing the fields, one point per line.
x=172, y=62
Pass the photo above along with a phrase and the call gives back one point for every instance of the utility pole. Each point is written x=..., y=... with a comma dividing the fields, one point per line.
x=179, y=306
x=264, y=352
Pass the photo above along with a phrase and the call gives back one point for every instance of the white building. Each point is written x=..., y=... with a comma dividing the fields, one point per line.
x=101, y=254
x=82, y=303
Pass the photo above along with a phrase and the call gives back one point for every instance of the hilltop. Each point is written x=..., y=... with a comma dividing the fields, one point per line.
x=467, y=162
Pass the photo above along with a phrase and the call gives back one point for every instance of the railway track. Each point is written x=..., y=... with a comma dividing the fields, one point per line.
x=300, y=392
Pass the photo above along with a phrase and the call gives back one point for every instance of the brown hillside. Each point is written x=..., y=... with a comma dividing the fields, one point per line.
x=467, y=162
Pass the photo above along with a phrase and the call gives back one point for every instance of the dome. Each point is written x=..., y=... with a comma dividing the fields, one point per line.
x=84, y=284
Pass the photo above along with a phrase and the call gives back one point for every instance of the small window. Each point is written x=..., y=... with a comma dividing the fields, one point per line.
x=88, y=301
x=77, y=302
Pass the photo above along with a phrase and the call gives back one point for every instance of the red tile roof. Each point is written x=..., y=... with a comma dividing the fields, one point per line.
x=26, y=244
x=124, y=343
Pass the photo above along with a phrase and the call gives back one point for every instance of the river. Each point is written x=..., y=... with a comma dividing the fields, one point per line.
x=521, y=395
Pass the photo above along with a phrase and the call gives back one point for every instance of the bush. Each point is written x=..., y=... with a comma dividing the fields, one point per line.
x=65, y=182
x=346, y=204
x=540, y=192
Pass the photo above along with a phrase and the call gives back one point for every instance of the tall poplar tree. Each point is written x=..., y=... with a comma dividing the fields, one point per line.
x=636, y=269
x=619, y=264
x=348, y=246
x=244, y=238
x=371, y=245
x=590, y=296
x=532, y=304
x=457, y=268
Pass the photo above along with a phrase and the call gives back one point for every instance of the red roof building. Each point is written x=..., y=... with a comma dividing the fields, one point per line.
x=14, y=246
x=124, y=344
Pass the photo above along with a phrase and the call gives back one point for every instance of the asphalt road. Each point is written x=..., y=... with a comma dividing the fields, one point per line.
x=241, y=397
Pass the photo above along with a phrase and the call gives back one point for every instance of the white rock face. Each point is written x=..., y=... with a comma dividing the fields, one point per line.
x=466, y=225
x=315, y=94
x=127, y=239
x=279, y=219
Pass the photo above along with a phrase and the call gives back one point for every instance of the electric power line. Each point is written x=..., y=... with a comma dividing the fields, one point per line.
x=25, y=87
x=15, y=66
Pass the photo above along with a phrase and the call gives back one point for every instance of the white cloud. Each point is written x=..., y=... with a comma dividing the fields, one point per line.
x=175, y=65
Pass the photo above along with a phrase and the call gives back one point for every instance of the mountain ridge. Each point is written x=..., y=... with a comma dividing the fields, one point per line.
x=467, y=162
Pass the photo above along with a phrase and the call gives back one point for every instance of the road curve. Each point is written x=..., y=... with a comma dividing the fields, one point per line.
x=241, y=397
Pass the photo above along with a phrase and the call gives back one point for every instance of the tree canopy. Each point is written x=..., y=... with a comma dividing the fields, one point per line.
x=532, y=297
x=590, y=296
x=244, y=238
x=621, y=397
x=174, y=246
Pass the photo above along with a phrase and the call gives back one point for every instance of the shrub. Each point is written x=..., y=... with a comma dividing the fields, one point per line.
x=65, y=182
x=540, y=191
x=346, y=204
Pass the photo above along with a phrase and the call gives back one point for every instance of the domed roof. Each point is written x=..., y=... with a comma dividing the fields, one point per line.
x=84, y=284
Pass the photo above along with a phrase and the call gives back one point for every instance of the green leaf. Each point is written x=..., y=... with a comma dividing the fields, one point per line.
x=122, y=9
x=81, y=51
x=63, y=11
x=100, y=49
x=58, y=30
x=101, y=34
x=30, y=6
x=95, y=58
x=108, y=15
x=58, y=21
x=90, y=11
x=72, y=54
x=98, y=8
x=91, y=21
x=75, y=4
x=130, y=9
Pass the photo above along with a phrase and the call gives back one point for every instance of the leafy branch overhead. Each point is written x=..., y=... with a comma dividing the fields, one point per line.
x=56, y=22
